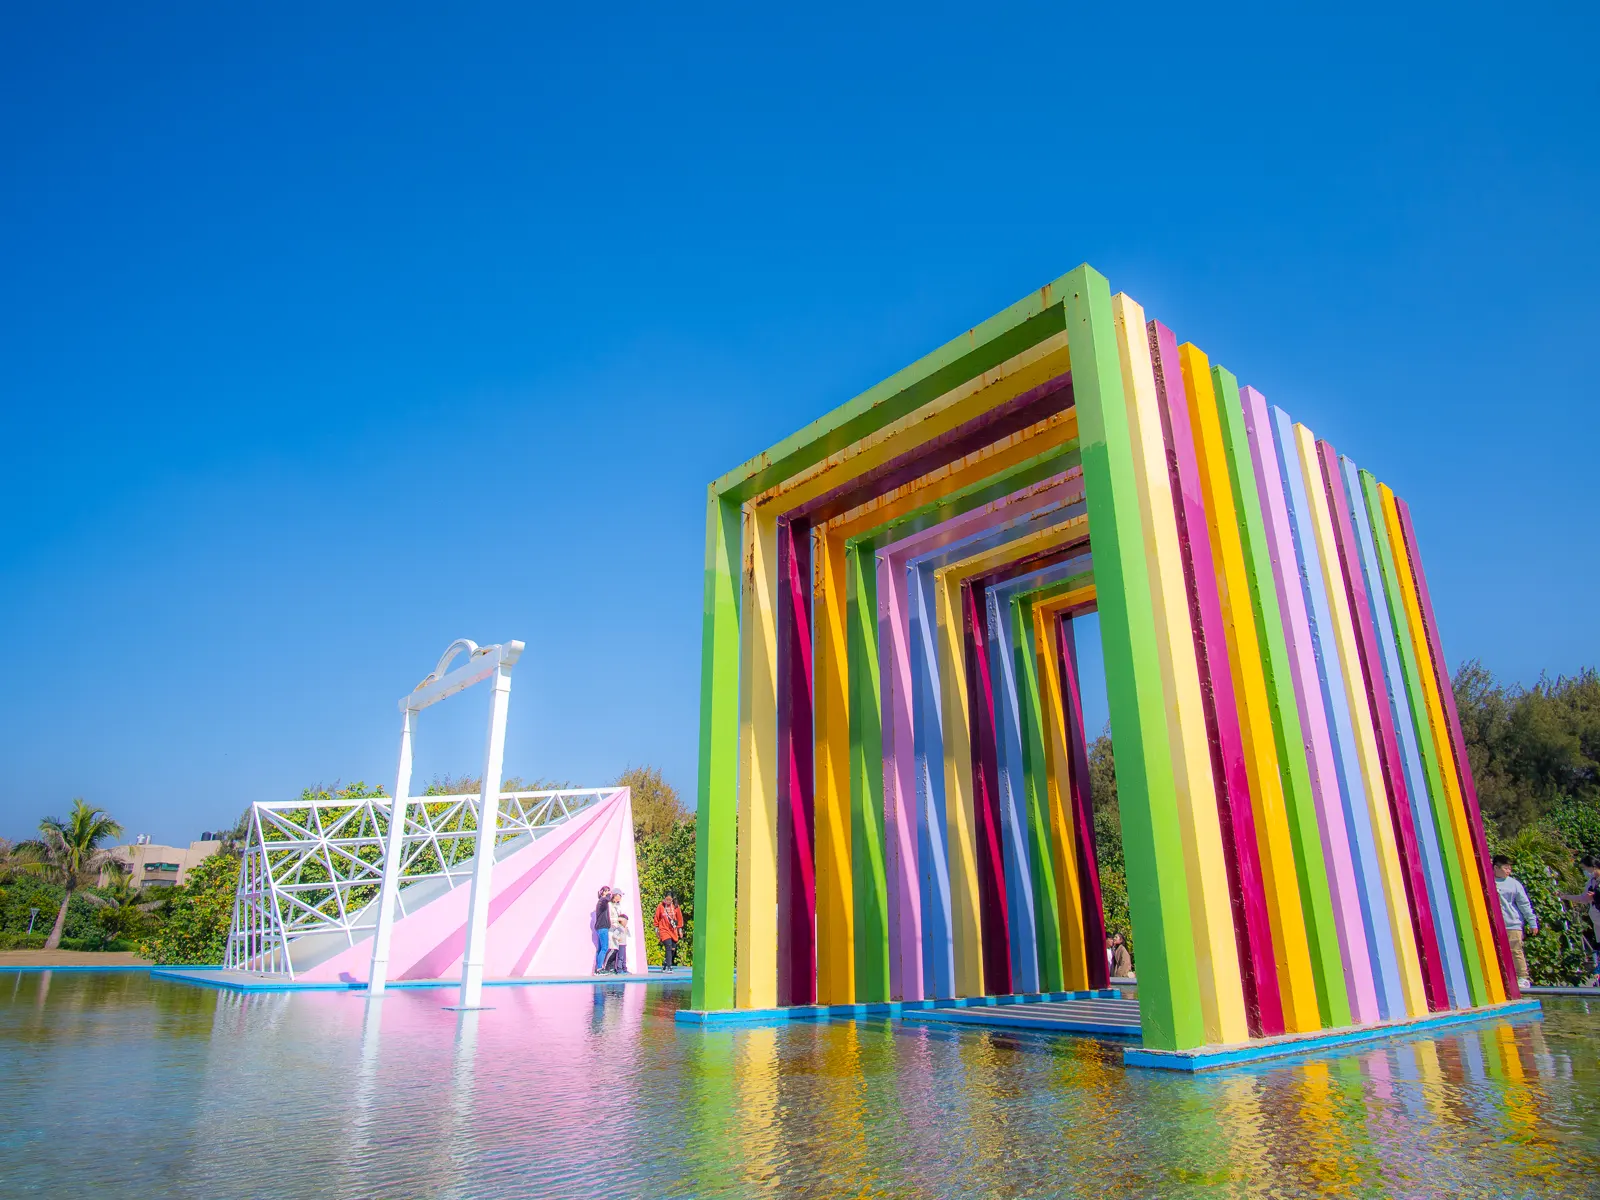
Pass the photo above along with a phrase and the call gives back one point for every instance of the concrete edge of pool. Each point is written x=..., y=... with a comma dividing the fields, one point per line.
x=241, y=981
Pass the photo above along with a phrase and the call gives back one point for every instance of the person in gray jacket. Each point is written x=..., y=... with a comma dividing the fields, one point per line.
x=1517, y=911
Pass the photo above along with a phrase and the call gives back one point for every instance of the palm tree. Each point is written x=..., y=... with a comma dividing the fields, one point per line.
x=72, y=854
x=123, y=899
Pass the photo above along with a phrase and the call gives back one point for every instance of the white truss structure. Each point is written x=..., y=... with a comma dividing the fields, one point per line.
x=312, y=871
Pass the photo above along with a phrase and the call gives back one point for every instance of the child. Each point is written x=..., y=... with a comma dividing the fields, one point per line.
x=619, y=945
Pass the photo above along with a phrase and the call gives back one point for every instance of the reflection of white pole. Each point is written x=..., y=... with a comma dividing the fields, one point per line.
x=388, y=891
x=463, y=1091
x=488, y=826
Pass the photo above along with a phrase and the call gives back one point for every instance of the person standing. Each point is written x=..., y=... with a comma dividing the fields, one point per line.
x=602, y=929
x=621, y=935
x=669, y=930
x=1518, y=913
x=1121, y=960
x=1589, y=900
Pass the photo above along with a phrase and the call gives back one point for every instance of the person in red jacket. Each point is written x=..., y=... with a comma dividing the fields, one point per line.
x=669, y=930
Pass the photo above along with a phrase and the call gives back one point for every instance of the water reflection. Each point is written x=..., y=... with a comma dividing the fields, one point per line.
x=582, y=1091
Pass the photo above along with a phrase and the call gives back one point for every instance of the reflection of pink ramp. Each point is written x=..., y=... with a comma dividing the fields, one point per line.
x=540, y=914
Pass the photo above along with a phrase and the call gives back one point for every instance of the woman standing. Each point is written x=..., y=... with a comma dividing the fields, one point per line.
x=669, y=930
x=602, y=929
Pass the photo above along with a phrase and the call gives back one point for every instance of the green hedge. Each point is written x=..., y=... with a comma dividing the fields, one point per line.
x=193, y=929
x=666, y=864
x=1546, y=865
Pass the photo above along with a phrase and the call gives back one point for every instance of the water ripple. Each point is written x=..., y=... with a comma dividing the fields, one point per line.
x=122, y=1085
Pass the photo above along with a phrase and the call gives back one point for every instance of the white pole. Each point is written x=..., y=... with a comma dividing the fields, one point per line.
x=488, y=824
x=388, y=892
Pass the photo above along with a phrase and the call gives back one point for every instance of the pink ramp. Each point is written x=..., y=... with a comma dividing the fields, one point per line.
x=540, y=914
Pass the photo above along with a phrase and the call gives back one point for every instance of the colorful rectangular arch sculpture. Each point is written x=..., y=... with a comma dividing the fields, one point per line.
x=893, y=767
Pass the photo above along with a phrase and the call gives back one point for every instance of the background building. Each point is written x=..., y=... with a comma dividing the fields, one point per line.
x=152, y=865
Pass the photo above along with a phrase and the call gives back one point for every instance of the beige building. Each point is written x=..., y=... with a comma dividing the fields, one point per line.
x=164, y=866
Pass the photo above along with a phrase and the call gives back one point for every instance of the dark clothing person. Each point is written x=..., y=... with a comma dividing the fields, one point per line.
x=602, y=932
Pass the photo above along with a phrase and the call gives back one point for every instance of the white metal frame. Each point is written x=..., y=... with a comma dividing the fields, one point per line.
x=313, y=867
x=487, y=662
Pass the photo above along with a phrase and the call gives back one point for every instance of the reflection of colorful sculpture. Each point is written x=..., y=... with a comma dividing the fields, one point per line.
x=892, y=772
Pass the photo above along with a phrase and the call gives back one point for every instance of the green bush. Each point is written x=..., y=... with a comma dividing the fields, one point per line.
x=86, y=922
x=193, y=929
x=1531, y=749
x=1546, y=866
x=23, y=941
x=1577, y=823
x=23, y=893
x=89, y=926
x=1108, y=839
x=99, y=943
x=666, y=864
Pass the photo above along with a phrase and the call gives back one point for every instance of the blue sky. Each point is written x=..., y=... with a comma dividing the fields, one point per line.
x=329, y=334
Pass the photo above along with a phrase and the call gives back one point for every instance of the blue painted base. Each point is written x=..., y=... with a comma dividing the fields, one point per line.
x=1212, y=1058
x=1039, y=1024
x=890, y=1008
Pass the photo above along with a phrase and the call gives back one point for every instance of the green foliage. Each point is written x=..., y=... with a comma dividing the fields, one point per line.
x=1577, y=823
x=666, y=864
x=1108, y=837
x=194, y=925
x=1546, y=866
x=123, y=910
x=314, y=872
x=471, y=785
x=657, y=809
x=96, y=917
x=98, y=944
x=24, y=892
x=21, y=941
x=1535, y=758
x=1530, y=748
x=70, y=852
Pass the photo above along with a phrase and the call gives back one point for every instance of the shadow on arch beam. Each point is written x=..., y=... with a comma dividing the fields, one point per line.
x=894, y=802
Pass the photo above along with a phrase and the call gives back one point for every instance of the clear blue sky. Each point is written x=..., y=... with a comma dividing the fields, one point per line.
x=331, y=333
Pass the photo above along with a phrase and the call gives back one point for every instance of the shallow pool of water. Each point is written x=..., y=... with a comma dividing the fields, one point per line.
x=119, y=1085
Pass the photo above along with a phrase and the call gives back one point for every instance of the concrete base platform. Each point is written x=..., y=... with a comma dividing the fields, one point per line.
x=903, y=1009
x=1212, y=1058
x=245, y=981
x=1099, y=1016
